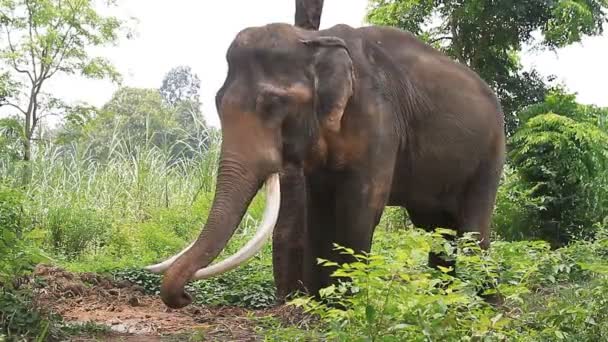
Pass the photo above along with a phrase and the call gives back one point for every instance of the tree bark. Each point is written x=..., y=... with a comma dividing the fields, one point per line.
x=308, y=14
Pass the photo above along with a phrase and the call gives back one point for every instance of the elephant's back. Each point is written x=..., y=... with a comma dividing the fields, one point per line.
x=427, y=67
x=462, y=128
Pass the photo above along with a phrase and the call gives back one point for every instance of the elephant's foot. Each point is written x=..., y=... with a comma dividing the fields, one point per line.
x=288, y=276
x=284, y=295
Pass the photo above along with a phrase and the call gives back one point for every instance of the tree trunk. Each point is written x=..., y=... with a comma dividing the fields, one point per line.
x=308, y=14
x=26, y=175
x=27, y=148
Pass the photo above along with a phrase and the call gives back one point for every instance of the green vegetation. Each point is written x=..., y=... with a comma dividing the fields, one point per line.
x=115, y=188
x=549, y=295
x=44, y=38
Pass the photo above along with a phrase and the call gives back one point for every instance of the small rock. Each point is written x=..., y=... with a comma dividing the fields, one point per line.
x=123, y=284
x=133, y=301
x=139, y=288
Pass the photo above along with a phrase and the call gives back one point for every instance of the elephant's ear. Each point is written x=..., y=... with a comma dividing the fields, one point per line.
x=333, y=79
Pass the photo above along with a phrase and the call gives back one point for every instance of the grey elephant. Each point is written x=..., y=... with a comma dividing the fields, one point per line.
x=338, y=124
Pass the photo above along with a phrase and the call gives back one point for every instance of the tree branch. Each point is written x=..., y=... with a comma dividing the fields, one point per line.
x=48, y=114
x=440, y=38
x=13, y=60
x=50, y=73
x=30, y=26
x=61, y=50
x=14, y=106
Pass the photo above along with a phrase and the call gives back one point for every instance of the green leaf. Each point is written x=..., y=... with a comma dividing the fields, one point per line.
x=370, y=313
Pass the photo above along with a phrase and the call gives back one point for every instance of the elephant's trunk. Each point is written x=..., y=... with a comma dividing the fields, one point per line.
x=236, y=186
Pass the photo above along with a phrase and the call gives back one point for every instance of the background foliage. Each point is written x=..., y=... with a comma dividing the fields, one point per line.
x=114, y=188
x=488, y=35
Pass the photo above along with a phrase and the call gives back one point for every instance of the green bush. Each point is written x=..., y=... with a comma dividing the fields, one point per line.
x=20, y=319
x=73, y=230
x=515, y=206
x=399, y=298
x=19, y=255
x=392, y=295
x=561, y=179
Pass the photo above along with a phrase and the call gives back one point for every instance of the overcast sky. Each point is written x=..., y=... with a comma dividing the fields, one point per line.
x=197, y=33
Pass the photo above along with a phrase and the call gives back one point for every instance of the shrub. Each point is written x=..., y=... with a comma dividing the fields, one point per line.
x=514, y=210
x=399, y=298
x=73, y=230
x=19, y=318
x=561, y=165
x=18, y=253
x=391, y=295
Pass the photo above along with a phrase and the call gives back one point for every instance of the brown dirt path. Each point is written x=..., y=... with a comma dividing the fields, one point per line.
x=133, y=316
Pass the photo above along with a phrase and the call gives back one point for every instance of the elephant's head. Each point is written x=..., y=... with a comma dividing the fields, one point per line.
x=285, y=88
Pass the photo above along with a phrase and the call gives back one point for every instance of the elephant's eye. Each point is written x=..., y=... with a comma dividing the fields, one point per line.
x=272, y=105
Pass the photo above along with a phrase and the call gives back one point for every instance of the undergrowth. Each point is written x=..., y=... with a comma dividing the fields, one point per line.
x=125, y=213
x=392, y=295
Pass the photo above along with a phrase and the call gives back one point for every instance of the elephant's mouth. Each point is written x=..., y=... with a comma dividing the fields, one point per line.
x=253, y=246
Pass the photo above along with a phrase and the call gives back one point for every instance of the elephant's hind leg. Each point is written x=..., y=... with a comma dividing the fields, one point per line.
x=478, y=203
x=429, y=221
x=477, y=208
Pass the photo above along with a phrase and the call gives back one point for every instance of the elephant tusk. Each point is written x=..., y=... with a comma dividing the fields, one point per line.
x=253, y=246
x=163, y=266
x=271, y=213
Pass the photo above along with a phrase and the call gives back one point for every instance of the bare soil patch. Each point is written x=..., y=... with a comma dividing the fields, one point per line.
x=133, y=316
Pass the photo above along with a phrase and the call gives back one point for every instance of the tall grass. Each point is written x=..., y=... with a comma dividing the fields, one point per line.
x=136, y=204
x=129, y=181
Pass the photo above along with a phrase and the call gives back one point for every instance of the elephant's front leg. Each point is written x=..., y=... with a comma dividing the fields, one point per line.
x=290, y=235
x=360, y=201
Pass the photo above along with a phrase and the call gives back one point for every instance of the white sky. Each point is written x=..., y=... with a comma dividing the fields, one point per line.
x=197, y=33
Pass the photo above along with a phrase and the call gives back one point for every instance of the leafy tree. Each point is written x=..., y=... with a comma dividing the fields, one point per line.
x=136, y=116
x=134, y=119
x=11, y=137
x=562, y=165
x=46, y=37
x=487, y=35
x=7, y=87
x=74, y=123
x=180, y=90
x=559, y=101
x=180, y=84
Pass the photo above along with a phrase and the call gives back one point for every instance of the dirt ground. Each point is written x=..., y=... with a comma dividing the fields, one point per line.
x=133, y=316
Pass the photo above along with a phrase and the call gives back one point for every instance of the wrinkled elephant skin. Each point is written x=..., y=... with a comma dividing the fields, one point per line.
x=353, y=120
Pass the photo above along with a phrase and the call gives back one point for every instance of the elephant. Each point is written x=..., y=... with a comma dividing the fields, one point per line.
x=336, y=124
